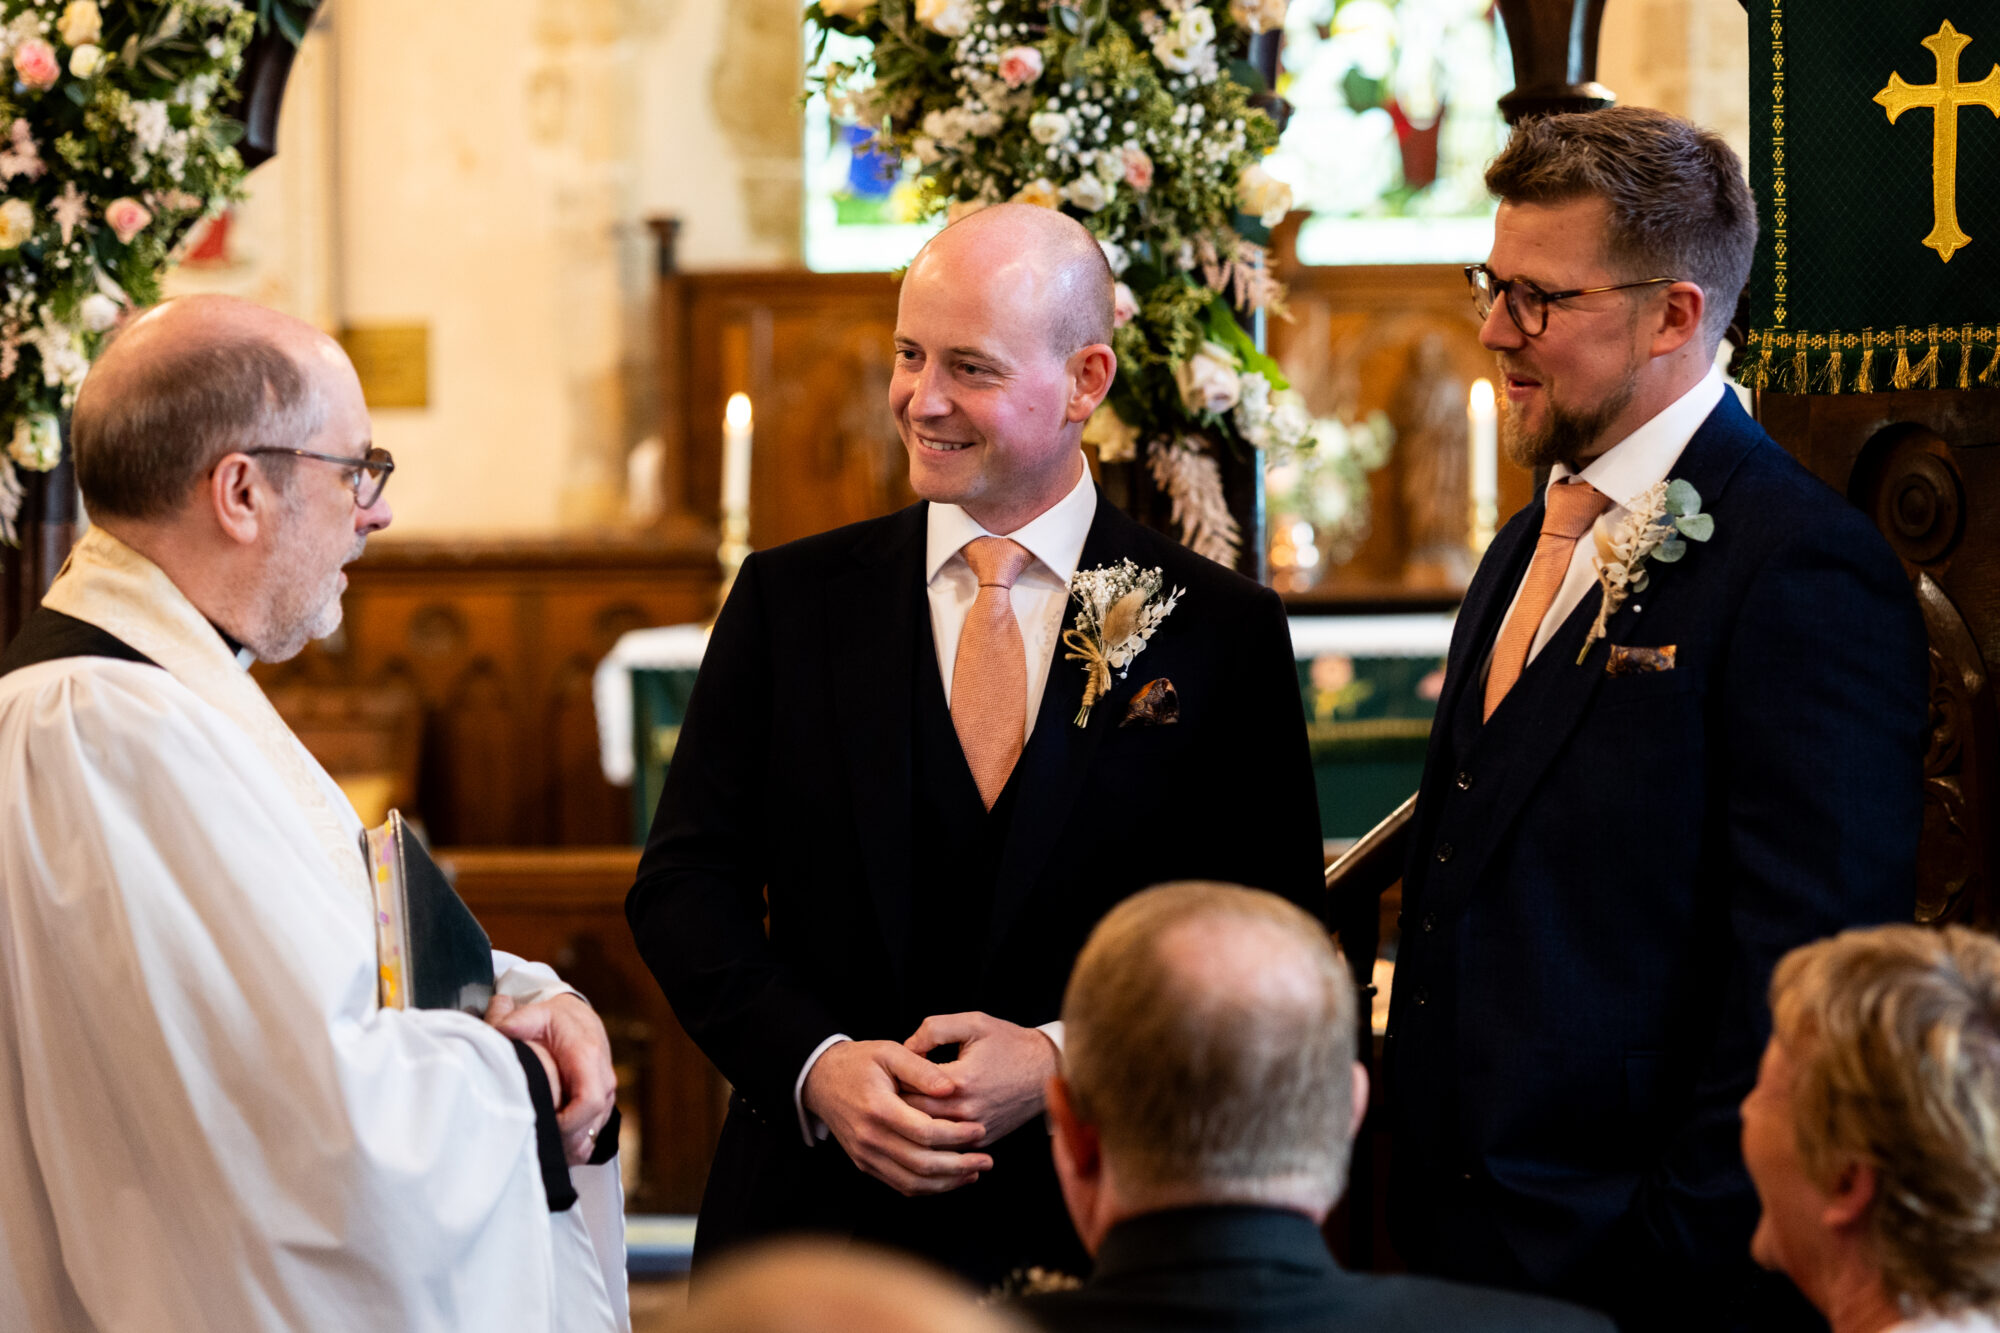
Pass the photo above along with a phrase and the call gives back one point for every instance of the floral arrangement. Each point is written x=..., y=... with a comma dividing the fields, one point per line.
x=112, y=145
x=1136, y=117
x=1657, y=525
x=1118, y=608
x=1327, y=485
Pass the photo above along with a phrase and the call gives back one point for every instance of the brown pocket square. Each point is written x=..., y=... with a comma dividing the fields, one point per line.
x=1155, y=705
x=1639, y=661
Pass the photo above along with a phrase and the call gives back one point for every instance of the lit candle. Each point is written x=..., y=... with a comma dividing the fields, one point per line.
x=1482, y=429
x=736, y=455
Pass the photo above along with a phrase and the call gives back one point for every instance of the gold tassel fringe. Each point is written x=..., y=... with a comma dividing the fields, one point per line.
x=1829, y=377
x=1864, y=378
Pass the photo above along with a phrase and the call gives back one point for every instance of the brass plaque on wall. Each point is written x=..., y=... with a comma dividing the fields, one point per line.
x=393, y=361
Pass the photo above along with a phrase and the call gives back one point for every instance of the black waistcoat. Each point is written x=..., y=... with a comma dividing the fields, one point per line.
x=955, y=853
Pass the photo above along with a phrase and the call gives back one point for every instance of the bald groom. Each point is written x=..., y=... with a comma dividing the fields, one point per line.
x=883, y=744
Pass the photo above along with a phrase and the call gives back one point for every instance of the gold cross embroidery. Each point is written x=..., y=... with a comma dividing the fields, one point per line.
x=1944, y=98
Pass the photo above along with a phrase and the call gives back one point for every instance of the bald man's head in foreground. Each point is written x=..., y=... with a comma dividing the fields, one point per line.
x=806, y=1286
x=1003, y=350
x=190, y=434
x=1208, y=1058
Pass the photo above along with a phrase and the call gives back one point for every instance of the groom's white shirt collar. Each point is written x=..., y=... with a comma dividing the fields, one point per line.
x=1054, y=537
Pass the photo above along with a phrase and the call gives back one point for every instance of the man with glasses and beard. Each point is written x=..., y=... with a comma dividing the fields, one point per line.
x=1630, y=812
x=206, y=1120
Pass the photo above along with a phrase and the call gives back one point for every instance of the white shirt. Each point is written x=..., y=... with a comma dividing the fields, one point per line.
x=1040, y=595
x=1623, y=473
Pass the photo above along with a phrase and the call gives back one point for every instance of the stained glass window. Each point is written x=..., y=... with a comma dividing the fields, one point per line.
x=1393, y=121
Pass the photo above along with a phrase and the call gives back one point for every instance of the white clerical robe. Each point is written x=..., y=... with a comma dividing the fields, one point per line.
x=206, y=1121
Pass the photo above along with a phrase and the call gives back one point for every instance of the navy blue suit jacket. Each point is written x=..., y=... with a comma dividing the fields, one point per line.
x=791, y=792
x=1604, y=874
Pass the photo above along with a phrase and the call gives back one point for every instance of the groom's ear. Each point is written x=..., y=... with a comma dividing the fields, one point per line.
x=1091, y=370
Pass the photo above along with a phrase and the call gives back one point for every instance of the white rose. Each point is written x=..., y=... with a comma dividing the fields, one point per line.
x=1258, y=15
x=85, y=61
x=1263, y=195
x=1291, y=424
x=1088, y=193
x=1124, y=306
x=946, y=18
x=1048, y=127
x=1170, y=51
x=1041, y=192
x=80, y=23
x=37, y=443
x=1208, y=379
x=1115, y=439
x=844, y=9
x=98, y=312
x=1110, y=168
x=1197, y=26
x=1116, y=256
x=1253, y=410
x=17, y=223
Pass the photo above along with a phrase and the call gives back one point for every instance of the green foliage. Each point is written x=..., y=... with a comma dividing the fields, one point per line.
x=142, y=136
x=1136, y=124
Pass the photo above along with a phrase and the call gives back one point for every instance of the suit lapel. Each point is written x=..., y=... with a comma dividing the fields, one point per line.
x=1555, y=691
x=873, y=629
x=1052, y=768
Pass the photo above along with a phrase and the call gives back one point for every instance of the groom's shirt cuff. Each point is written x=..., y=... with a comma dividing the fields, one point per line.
x=811, y=1126
x=1054, y=1032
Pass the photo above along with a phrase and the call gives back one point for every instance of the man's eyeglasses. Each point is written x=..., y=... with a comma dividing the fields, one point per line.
x=1527, y=304
x=368, y=474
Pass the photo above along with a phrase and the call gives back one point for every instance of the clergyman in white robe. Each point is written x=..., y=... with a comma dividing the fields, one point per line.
x=206, y=1120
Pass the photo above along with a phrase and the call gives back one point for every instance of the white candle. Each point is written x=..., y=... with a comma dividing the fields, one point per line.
x=1482, y=429
x=736, y=455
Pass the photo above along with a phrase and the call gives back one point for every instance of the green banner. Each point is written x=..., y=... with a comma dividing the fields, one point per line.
x=1875, y=158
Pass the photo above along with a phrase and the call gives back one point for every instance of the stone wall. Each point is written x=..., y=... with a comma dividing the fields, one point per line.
x=483, y=169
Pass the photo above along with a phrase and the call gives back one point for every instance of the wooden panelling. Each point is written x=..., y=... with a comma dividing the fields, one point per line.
x=566, y=907
x=1400, y=339
x=814, y=352
x=499, y=641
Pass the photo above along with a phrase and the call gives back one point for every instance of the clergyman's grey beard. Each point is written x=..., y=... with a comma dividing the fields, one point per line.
x=1566, y=436
x=305, y=606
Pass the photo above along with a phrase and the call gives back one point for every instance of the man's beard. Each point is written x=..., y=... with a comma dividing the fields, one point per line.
x=303, y=607
x=1566, y=436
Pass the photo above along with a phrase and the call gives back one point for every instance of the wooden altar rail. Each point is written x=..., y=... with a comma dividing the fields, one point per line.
x=566, y=907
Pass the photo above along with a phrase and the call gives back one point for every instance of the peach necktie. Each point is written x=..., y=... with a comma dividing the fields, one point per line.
x=1572, y=507
x=989, y=676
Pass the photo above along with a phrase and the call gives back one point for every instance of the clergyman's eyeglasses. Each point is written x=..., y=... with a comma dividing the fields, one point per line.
x=368, y=474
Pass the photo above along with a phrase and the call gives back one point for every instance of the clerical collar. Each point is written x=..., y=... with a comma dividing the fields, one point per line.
x=245, y=658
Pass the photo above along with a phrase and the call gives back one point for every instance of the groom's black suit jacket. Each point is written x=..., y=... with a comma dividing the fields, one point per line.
x=816, y=763
x=1605, y=872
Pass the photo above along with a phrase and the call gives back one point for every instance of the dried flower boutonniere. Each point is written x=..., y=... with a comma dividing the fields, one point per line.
x=1118, y=608
x=1657, y=526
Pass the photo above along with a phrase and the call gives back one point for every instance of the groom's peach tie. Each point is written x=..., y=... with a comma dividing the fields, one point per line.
x=1572, y=507
x=989, y=676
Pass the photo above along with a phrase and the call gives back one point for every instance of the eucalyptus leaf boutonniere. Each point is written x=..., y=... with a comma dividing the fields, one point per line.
x=1657, y=525
x=1118, y=608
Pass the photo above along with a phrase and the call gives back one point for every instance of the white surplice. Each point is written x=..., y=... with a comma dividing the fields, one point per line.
x=206, y=1121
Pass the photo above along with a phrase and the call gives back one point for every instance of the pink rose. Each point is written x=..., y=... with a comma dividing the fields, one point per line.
x=35, y=61
x=1138, y=169
x=1124, y=306
x=127, y=217
x=1020, y=66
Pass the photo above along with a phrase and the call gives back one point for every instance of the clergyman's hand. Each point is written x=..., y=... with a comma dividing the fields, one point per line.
x=1001, y=1071
x=574, y=1035
x=857, y=1088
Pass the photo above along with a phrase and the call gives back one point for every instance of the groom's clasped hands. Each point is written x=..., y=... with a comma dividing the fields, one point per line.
x=918, y=1126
